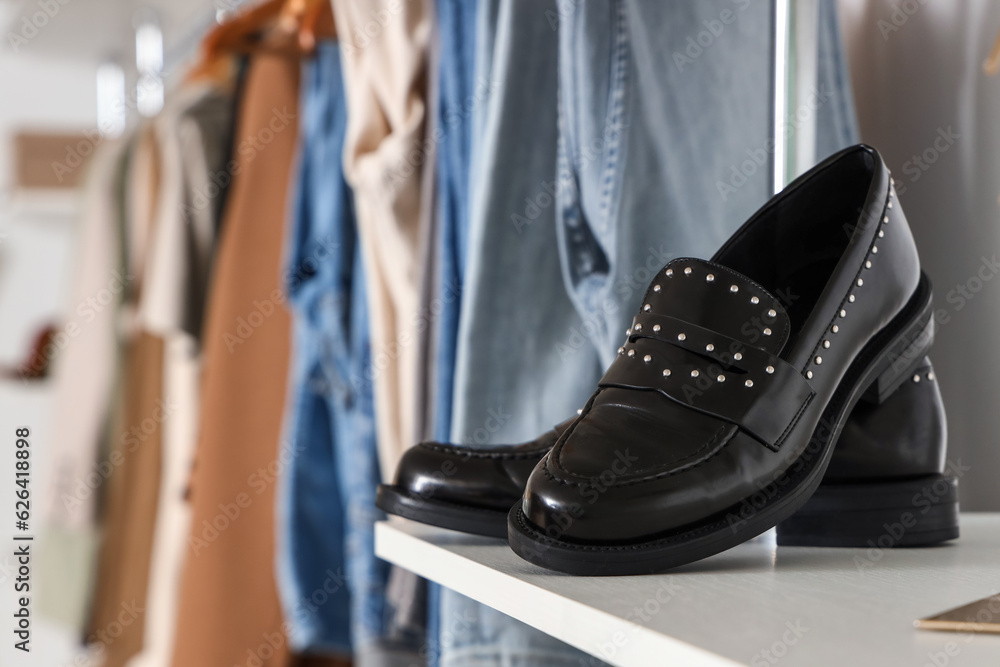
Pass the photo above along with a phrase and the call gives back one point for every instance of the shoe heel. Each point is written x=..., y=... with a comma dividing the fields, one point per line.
x=905, y=356
x=907, y=513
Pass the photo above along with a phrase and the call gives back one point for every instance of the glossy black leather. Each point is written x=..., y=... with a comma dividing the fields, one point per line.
x=640, y=462
x=906, y=436
x=490, y=478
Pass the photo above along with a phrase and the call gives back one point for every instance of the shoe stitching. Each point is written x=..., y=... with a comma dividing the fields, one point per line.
x=489, y=454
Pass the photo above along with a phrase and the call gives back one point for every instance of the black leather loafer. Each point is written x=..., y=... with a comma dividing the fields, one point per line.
x=470, y=489
x=893, y=446
x=717, y=420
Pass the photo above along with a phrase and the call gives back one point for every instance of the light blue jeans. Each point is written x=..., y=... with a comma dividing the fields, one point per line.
x=611, y=135
x=509, y=382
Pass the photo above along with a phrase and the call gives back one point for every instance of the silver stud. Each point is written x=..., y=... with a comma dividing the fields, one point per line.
x=754, y=300
x=681, y=336
x=881, y=233
x=709, y=278
x=818, y=360
x=930, y=376
x=860, y=282
x=890, y=203
x=648, y=358
x=638, y=326
x=892, y=181
x=851, y=298
x=769, y=370
x=631, y=353
x=666, y=372
x=843, y=313
x=738, y=356
x=809, y=374
x=868, y=264
x=734, y=289
x=579, y=411
x=767, y=332
x=874, y=249
x=721, y=378
x=656, y=327
x=916, y=378
x=772, y=313
x=709, y=347
x=885, y=219
x=826, y=345
x=657, y=288
x=687, y=271
x=695, y=373
x=670, y=273
x=646, y=308
x=621, y=350
x=628, y=332
x=835, y=328
x=749, y=383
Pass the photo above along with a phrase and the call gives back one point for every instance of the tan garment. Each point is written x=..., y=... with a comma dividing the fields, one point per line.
x=385, y=76
x=134, y=444
x=228, y=609
x=132, y=492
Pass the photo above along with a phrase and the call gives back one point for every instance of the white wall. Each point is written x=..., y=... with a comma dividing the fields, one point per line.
x=36, y=259
x=925, y=103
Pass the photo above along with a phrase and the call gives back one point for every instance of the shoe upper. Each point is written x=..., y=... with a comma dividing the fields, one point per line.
x=730, y=363
x=482, y=477
x=906, y=436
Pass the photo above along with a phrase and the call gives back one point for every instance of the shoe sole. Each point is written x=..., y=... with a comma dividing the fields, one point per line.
x=464, y=518
x=902, y=339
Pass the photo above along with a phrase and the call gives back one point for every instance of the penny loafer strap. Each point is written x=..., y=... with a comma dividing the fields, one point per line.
x=713, y=374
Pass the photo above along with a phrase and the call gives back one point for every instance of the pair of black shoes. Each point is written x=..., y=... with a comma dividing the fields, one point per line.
x=728, y=412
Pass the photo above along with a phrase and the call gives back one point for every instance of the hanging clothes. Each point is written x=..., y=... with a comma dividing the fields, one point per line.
x=385, y=80
x=132, y=495
x=229, y=610
x=332, y=586
x=135, y=442
x=194, y=132
x=460, y=95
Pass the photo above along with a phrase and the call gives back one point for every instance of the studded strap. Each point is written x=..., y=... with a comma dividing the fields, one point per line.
x=701, y=344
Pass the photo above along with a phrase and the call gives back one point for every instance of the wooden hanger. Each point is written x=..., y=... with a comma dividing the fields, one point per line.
x=309, y=20
x=233, y=36
x=288, y=27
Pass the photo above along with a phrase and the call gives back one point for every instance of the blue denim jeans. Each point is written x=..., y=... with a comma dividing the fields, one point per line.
x=660, y=102
x=579, y=197
x=515, y=311
x=459, y=94
x=460, y=99
x=331, y=585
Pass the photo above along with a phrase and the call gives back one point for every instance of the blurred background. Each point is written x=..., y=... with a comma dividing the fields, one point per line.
x=251, y=251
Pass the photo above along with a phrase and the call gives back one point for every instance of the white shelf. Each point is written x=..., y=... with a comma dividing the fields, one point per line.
x=852, y=606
